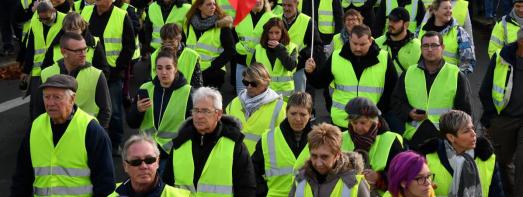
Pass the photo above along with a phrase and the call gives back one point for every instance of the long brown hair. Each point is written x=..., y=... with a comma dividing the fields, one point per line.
x=278, y=22
x=194, y=9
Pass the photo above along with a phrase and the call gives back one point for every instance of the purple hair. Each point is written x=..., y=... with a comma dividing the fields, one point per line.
x=404, y=167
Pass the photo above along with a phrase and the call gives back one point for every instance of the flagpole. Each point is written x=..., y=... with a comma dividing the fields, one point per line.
x=312, y=29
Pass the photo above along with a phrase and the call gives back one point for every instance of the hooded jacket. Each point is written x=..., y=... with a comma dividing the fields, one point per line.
x=346, y=168
x=243, y=180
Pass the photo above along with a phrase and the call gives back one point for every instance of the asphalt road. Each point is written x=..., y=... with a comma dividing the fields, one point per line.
x=14, y=121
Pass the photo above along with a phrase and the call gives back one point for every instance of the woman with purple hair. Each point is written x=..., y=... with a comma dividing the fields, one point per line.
x=409, y=175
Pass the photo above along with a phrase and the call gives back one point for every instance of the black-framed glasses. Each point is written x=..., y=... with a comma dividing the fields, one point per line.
x=78, y=51
x=203, y=111
x=430, y=46
x=247, y=83
x=137, y=162
x=423, y=180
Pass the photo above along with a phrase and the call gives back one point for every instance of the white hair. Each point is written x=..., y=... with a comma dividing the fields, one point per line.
x=208, y=92
x=44, y=6
x=139, y=138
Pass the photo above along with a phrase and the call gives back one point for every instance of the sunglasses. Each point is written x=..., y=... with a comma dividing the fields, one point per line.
x=137, y=162
x=247, y=83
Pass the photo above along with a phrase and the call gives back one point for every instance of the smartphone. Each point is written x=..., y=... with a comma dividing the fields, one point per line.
x=142, y=94
x=420, y=111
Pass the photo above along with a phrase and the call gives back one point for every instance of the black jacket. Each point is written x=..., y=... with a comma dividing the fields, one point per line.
x=323, y=74
x=148, y=25
x=287, y=60
x=99, y=59
x=126, y=189
x=514, y=108
x=482, y=151
x=400, y=104
x=259, y=161
x=337, y=14
x=97, y=25
x=100, y=161
x=243, y=180
x=305, y=53
x=255, y=17
x=382, y=16
x=102, y=97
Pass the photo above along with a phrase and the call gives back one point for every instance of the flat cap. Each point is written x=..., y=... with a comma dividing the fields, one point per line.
x=61, y=81
x=363, y=107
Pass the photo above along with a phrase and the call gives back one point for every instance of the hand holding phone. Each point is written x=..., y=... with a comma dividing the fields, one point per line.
x=143, y=103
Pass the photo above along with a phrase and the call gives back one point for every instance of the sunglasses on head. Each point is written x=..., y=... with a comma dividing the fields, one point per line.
x=137, y=162
x=247, y=83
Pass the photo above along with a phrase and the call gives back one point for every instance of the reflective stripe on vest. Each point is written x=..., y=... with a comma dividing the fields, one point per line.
x=504, y=32
x=176, y=15
x=172, y=117
x=379, y=150
x=60, y=169
x=208, y=46
x=438, y=101
x=186, y=63
x=249, y=34
x=296, y=31
x=325, y=17
x=443, y=178
x=41, y=44
x=280, y=163
x=502, y=83
x=347, y=86
x=216, y=176
x=226, y=6
x=258, y=122
x=303, y=188
x=87, y=82
x=450, y=40
x=407, y=56
x=112, y=37
x=281, y=78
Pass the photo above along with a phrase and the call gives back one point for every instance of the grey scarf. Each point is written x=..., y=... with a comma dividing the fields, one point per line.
x=516, y=17
x=200, y=24
x=465, y=180
x=251, y=104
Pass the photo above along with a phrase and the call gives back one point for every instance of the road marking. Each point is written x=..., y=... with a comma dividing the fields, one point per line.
x=13, y=103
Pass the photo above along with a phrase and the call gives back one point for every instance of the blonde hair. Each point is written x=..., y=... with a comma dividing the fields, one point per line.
x=74, y=20
x=325, y=134
x=256, y=71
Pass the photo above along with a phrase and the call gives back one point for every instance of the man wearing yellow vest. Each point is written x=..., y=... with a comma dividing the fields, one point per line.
x=502, y=98
x=361, y=69
x=115, y=30
x=505, y=30
x=414, y=8
x=160, y=13
x=141, y=162
x=328, y=15
x=329, y=171
x=283, y=150
x=93, y=93
x=299, y=27
x=66, y=152
x=42, y=45
x=79, y=5
x=463, y=164
x=208, y=156
x=427, y=90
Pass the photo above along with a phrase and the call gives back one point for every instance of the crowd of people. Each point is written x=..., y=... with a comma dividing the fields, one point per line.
x=394, y=74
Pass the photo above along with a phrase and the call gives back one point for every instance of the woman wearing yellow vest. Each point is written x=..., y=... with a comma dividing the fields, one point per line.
x=329, y=171
x=463, y=164
x=282, y=151
x=140, y=157
x=278, y=55
x=162, y=104
x=369, y=132
x=410, y=176
x=208, y=31
x=73, y=22
x=351, y=18
x=247, y=34
x=188, y=59
x=459, y=47
x=259, y=108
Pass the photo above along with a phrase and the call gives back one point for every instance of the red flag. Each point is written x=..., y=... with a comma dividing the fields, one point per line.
x=242, y=7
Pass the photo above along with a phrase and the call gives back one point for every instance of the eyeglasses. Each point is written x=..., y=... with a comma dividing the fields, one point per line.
x=423, y=180
x=247, y=83
x=78, y=51
x=195, y=111
x=137, y=162
x=430, y=46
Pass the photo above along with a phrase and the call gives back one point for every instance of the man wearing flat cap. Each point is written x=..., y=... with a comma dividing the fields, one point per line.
x=66, y=152
x=369, y=132
x=501, y=94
